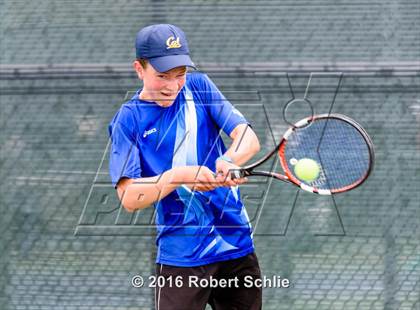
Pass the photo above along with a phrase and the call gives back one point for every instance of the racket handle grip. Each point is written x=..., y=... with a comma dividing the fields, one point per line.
x=237, y=174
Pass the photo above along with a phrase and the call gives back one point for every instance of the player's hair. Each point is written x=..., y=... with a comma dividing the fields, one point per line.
x=143, y=62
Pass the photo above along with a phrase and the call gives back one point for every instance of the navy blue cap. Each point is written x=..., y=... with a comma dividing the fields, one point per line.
x=164, y=46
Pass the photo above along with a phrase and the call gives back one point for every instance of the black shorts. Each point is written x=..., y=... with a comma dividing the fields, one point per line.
x=222, y=285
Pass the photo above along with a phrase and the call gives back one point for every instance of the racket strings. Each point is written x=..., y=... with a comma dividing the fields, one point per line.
x=344, y=154
x=320, y=181
x=337, y=146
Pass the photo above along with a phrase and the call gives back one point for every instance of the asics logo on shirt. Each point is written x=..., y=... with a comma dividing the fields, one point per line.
x=172, y=43
x=149, y=132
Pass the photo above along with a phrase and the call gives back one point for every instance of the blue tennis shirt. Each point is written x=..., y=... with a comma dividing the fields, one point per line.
x=193, y=228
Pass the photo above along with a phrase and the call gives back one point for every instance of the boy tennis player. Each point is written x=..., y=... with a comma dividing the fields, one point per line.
x=166, y=151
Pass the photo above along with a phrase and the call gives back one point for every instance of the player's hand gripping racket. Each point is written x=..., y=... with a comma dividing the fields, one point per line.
x=324, y=154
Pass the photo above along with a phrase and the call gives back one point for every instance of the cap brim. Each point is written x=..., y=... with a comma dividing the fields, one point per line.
x=166, y=63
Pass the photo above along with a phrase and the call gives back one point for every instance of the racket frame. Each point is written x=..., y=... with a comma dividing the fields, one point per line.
x=288, y=176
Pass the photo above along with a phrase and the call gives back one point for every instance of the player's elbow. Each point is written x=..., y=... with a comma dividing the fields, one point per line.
x=125, y=202
x=128, y=207
x=130, y=204
x=124, y=195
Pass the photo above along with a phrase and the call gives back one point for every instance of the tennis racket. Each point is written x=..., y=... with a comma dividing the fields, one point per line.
x=340, y=146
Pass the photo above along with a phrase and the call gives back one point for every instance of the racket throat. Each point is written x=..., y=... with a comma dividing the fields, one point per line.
x=277, y=176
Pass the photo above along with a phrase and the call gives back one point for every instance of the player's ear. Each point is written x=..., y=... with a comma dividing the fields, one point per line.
x=139, y=69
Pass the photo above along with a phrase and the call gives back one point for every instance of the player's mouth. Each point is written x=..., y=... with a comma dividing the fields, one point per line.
x=167, y=95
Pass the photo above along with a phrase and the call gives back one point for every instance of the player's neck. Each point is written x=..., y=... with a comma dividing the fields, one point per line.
x=144, y=96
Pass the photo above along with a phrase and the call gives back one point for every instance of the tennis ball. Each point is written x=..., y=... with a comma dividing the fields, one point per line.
x=307, y=169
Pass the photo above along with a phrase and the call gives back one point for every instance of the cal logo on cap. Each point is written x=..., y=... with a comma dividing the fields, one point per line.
x=172, y=43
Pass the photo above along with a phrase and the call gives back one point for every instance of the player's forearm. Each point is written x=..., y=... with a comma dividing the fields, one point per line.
x=143, y=192
x=244, y=146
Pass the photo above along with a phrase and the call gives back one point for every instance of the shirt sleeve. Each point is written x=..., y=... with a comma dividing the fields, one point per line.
x=124, y=153
x=223, y=113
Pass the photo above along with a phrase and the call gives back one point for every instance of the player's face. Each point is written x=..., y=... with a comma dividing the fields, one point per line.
x=159, y=87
